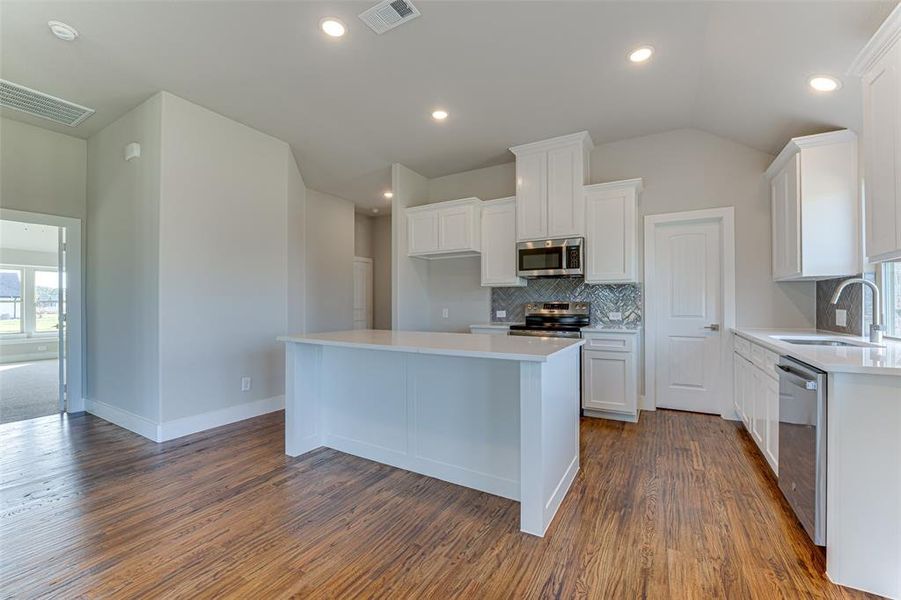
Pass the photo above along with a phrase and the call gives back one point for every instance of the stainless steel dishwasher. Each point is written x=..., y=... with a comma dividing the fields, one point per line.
x=802, y=443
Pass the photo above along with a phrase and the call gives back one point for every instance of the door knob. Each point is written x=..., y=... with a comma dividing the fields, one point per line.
x=714, y=327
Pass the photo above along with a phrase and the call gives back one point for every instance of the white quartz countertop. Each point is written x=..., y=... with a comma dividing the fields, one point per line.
x=501, y=347
x=834, y=359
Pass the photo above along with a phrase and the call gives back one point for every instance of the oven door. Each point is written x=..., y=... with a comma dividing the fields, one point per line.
x=550, y=258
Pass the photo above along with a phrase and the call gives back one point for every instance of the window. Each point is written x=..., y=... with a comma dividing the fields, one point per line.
x=46, y=301
x=29, y=301
x=891, y=290
x=11, y=301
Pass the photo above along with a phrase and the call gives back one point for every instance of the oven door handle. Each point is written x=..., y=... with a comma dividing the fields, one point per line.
x=795, y=378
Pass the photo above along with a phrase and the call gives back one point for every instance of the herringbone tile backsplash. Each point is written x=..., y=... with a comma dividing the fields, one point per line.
x=623, y=298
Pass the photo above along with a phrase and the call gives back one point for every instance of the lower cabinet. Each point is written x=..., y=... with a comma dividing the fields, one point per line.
x=490, y=329
x=610, y=375
x=756, y=398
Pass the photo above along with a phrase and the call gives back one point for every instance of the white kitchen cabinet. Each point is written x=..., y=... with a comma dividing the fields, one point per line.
x=756, y=388
x=444, y=229
x=611, y=231
x=550, y=175
x=499, y=244
x=610, y=375
x=879, y=65
x=490, y=329
x=815, y=201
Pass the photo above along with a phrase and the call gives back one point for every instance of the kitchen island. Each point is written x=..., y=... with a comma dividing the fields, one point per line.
x=494, y=413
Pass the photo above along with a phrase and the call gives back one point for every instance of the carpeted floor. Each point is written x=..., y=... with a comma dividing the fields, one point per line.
x=29, y=390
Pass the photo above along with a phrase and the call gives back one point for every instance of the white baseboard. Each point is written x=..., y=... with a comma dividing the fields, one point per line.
x=27, y=357
x=123, y=418
x=177, y=428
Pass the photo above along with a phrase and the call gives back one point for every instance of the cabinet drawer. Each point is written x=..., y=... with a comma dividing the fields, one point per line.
x=742, y=346
x=758, y=356
x=609, y=342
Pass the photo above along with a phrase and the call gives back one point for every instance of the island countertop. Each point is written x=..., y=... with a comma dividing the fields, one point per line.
x=500, y=347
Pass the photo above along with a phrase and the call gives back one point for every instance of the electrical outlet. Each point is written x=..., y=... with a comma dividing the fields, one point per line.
x=615, y=316
x=501, y=314
x=42, y=348
x=245, y=384
x=445, y=313
x=841, y=317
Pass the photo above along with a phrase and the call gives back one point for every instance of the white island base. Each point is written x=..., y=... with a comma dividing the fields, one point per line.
x=494, y=413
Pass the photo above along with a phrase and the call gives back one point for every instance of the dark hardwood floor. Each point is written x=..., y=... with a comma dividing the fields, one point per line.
x=677, y=506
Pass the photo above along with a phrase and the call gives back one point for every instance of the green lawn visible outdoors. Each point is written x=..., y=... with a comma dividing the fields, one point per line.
x=45, y=323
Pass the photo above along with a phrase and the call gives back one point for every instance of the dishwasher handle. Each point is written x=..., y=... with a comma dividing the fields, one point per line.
x=796, y=378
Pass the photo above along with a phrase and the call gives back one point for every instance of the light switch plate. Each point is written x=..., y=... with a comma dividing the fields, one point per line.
x=841, y=317
x=245, y=384
x=615, y=316
x=444, y=313
x=501, y=314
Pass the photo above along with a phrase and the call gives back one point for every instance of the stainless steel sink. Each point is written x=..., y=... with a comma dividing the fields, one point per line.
x=809, y=342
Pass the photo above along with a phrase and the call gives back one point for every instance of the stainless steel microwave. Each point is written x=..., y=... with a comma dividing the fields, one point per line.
x=550, y=258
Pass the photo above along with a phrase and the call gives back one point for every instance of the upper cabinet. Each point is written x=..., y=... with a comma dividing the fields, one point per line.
x=549, y=179
x=499, y=243
x=444, y=229
x=611, y=231
x=815, y=208
x=879, y=65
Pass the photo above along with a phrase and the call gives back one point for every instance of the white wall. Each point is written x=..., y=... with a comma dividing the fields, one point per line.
x=381, y=272
x=410, y=302
x=122, y=264
x=295, y=223
x=363, y=236
x=42, y=171
x=222, y=261
x=329, y=269
x=455, y=285
x=488, y=183
x=688, y=169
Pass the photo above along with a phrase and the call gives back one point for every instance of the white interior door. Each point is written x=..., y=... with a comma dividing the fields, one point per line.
x=688, y=286
x=362, y=293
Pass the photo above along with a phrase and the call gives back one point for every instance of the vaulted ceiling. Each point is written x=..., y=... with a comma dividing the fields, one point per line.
x=508, y=73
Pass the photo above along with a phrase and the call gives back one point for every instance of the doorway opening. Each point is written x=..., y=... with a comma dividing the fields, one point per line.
x=35, y=302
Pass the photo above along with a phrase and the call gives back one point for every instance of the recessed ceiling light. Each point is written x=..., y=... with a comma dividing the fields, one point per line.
x=375, y=211
x=824, y=83
x=642, y=54
x=67, y=33
x=333, y=27
x=389, y=194
x=439, y=115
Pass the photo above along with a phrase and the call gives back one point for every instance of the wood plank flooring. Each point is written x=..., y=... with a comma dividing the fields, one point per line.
x=677, y=506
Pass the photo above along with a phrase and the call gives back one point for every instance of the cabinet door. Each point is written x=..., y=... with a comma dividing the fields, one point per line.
x=422, y=231
x=531, y=196
x=882, y=136
x=610, y=234
x=565, y=200
x=737, y=386
x=786, y=206
x=771, y=439
x=609, y=382
x=499, y=245
x=747, y=394
x=455, y=228
x=758, y=400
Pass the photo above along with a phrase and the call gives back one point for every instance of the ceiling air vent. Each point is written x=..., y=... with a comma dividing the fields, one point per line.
x=19, y=97
x=387, y=15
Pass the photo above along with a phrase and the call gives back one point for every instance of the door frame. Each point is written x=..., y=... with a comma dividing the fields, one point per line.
x=370, y=262
x=75, y=300
x=726, y=218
